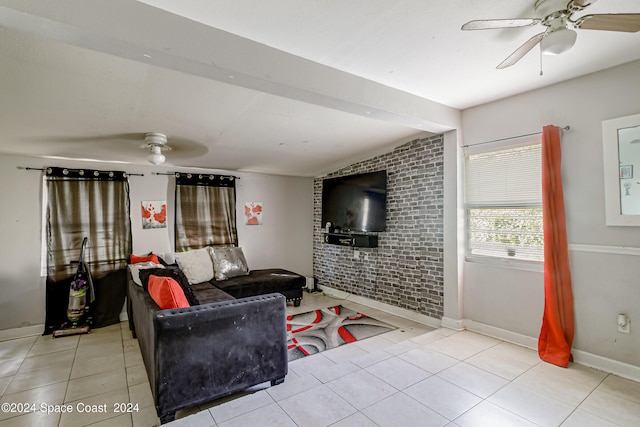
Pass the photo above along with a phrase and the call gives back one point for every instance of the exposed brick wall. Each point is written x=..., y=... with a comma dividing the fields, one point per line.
x=406, y=269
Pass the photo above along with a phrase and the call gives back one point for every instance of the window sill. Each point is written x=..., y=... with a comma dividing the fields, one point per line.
x=518, y=264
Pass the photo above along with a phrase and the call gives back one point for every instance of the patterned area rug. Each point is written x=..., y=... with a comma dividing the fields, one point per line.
x=319, y=330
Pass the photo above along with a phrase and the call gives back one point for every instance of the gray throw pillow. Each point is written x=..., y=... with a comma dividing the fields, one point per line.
x=228, y=262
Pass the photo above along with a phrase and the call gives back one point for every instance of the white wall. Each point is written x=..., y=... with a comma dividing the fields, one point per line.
x=284, y=240
x=603, y=283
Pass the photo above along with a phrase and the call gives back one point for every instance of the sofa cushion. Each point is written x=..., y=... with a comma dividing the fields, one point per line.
x=196, y=265
x=135, y=259
x=166, y=292
x=136, y=268
x=206, y=293
x=260, y=282
x=228, y=262
x=176, y=274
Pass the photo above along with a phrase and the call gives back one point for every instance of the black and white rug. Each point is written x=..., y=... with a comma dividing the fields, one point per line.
x=319, y=330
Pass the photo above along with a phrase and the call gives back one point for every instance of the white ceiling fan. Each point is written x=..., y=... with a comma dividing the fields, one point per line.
x=122, y=147
x=559, y=36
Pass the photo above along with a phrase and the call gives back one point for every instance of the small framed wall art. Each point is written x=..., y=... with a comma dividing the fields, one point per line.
x=253, y=213
x=154, y=214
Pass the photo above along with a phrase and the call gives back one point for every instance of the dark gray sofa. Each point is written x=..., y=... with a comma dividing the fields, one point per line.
x=200, y=353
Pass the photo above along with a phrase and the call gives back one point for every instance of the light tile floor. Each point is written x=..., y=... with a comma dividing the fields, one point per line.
x=413, y=376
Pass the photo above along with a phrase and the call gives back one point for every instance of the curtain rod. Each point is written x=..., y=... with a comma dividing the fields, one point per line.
x=75, y=170
x=192, y=173
x=511, y=137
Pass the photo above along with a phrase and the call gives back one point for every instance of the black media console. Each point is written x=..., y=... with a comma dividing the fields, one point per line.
x=352, y=239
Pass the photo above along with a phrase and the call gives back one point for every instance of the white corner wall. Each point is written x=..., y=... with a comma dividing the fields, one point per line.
x=284, y=239
x=604, y=283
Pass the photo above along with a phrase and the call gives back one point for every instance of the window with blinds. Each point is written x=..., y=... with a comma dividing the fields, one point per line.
x=503, y=203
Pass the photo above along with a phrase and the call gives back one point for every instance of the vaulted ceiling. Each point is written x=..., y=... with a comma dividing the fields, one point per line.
x=293, y=87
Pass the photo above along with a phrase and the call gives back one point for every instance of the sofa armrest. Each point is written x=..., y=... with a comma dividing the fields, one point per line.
x=141, y=310
x=209, y=351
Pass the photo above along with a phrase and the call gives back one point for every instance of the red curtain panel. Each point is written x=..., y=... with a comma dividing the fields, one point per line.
x=556, y=335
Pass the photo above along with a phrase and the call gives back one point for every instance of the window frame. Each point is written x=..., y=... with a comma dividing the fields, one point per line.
x=70, y=214
x=505, y=260
x=210, y=196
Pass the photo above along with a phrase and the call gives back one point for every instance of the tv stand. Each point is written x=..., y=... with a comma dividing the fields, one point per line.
x=352, y=239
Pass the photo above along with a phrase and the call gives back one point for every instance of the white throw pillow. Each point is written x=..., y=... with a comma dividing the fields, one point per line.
x=196, y=265
x=135, y=270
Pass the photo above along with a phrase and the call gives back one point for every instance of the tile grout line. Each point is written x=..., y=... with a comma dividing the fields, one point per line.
x=482, y=399
x=73, y=362
x=21, y=364
x=510, y=381
x=586, y=397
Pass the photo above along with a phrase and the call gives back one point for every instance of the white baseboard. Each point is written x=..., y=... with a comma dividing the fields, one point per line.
x=621, y=369
x=456, y=325
x=502, y=334
x=584, y=358
x=27, y=331
x=396, y=311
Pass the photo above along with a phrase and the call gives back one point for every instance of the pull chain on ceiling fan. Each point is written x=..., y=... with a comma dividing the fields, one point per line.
x=559, y=36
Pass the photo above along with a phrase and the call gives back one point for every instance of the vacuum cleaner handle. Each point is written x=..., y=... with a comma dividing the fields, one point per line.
x=81, y=268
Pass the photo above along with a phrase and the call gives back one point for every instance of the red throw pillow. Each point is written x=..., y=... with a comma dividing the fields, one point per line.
x=134, y=259
x=166, y=292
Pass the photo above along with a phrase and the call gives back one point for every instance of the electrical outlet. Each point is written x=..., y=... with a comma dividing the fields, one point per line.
x=624, y=324
x=356, y=254
x=366, y=257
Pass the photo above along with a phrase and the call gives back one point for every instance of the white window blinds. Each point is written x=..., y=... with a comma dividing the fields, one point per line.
x=503, y=201
x=505, y=177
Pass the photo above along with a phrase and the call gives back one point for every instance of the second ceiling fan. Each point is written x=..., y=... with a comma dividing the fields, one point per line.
x=559, y=36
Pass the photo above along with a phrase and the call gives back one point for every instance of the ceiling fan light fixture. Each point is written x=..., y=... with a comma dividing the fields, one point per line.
x=156, y=157
x=156, y=143
x=558, y=41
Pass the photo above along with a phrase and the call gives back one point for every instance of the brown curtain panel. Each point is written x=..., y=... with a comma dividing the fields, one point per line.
x=205, y=211
x=92, y=204
x=556, y=334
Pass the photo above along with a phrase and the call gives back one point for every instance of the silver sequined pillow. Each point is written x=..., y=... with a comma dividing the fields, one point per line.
x=228, y=262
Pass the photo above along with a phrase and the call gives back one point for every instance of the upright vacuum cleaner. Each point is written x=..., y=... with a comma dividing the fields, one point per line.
x=80, y=297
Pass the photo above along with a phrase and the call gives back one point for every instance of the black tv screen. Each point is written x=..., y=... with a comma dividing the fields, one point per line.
x=355, y=202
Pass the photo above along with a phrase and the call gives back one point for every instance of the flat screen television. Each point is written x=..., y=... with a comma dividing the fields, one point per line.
x=355, y=203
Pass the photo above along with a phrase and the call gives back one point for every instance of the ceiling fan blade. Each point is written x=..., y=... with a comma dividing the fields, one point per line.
x=492, y=24
x=91, y=138
x=521, y=51
x=583, y=3
x=124, y=146
x=626, y=22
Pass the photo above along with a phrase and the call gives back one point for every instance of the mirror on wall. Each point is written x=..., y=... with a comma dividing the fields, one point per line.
x=621, y=154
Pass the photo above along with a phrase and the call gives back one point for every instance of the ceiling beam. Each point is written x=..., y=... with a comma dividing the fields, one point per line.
x=143, y=33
